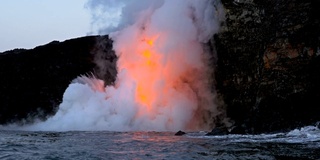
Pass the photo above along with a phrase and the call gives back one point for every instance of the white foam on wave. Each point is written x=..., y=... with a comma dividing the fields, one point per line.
x=305, y=134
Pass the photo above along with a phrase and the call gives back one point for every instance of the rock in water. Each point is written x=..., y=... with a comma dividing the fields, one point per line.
x=180, y=133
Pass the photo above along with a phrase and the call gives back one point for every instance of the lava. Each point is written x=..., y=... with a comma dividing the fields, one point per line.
x=164, y=77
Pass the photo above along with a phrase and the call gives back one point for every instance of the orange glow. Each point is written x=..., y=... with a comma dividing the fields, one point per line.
x=158, y=88
x=146, y=73
x=146, y=54
x=150, y=42
x=142, y=95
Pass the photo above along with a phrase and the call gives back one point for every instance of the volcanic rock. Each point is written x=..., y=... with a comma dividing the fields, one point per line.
x=268, y=68
x=180, y=133
x=33, y=81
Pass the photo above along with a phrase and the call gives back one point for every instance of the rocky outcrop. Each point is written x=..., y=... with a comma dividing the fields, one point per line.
x=33, y=81
x=180, y=133
x=268, y=69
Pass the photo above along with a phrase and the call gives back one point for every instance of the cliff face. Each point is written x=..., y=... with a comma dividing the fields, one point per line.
x=267, y=72
x=268, y=69
x=33, y=81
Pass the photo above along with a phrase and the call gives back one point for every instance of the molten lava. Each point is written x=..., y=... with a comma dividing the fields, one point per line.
x=146, y=75
x=164, y=82
x=165, y=75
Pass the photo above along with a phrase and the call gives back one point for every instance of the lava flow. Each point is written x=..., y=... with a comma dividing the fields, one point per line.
x=164, y=80
x=164, y=70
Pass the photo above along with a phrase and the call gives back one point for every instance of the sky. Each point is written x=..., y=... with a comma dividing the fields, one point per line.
x=30, y=23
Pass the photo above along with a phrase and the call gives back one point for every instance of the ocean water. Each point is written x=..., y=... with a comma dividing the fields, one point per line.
x=298, y=144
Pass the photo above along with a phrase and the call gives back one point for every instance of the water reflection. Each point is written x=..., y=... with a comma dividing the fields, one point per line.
x=155, y=145
x=155, y=137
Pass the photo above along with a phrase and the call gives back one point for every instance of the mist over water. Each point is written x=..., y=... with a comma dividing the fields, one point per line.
x=164, y=80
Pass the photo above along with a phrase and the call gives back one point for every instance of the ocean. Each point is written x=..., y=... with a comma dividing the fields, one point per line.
x=298, y=144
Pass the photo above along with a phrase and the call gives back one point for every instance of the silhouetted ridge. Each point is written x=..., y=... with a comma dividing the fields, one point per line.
x=33, y=81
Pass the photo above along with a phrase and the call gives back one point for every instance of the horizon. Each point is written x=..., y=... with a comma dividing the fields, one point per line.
x=27, y=24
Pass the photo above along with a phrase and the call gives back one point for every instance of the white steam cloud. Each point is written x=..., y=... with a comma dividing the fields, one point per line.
x=163, y=81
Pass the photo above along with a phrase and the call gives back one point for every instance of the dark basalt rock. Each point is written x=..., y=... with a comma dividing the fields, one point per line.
x=268, y=68
x=180, y=133
x=33, y=81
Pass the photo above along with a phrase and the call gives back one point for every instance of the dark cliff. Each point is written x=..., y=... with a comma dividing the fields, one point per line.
x=267, y=71
x=268, y=68
x=33, y=81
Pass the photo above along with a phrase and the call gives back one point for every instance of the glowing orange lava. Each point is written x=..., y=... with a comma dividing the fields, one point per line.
x=160, y=73
x=147, y=74
x=142, y=61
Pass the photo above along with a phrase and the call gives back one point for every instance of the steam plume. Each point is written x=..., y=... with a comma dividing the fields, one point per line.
x=163, y=81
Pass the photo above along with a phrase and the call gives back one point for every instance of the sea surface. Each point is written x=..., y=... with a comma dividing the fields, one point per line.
x=299, y=144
